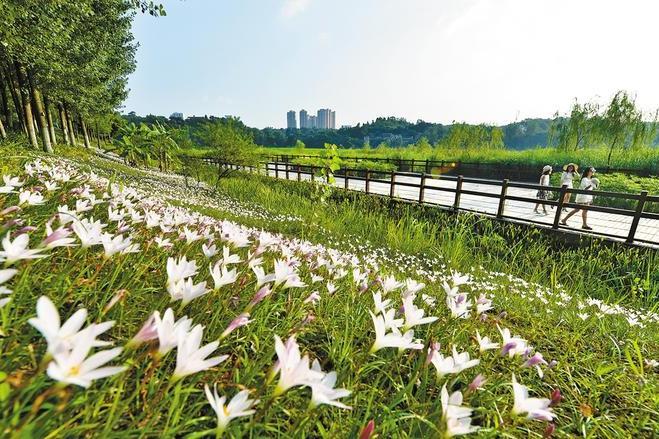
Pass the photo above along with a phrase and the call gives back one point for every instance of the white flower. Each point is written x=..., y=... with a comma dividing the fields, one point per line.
x=191, y=235
x=414, y=315
x=228, y=258
x=163, y=242
x=180, y=269
x=63, y=337
x=512, y=345
x=209, y=251
x=221, y=276
x=459, y=305
x=293, y=369
x=186, y=290
x=261, y=277
x=16, y=250
x=73, y=367
x=380, y=305
x=12, y=181
x=535, y=408
x=457, y=416
x=484, y=344
x=443, y=365
x=390, y=284
x=240, y=405
x=169, y=330
x=191, y=358
x=89, y=232
x=392, y=340
x=65, y=215
x=83, y=206
x=462, y=360
x=30, y=198
x=323, y=391
x=113, y=245
x=5, y=275
x=390, y=320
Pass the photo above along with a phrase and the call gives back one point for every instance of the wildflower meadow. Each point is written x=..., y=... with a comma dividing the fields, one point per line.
x=126, y=312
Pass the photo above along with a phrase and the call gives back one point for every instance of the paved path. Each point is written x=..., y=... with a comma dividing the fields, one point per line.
x=616, y=226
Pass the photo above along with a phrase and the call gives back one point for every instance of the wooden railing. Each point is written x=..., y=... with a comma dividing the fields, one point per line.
x=396, y=179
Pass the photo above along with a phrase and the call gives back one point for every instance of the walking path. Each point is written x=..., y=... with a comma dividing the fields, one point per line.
x=614, y=226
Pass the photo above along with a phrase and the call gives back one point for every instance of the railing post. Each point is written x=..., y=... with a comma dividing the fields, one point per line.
x=277, y=169
x=427, y=168
x=637, y=217
x=286, y=168
x=299, y=173
x=368, y=179
x=458, y=190
x=559, y=207
x=422, y=186
x=502, y=198
x=392, y=184
x=345, y=178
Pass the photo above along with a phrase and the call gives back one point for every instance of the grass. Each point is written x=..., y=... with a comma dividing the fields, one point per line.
x=539, y=290
x=646, y=159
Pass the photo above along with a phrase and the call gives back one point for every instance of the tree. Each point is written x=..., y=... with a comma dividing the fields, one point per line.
x=618, y=122
x=229, y=143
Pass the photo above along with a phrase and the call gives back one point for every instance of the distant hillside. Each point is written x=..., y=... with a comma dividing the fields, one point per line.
x=393, y=131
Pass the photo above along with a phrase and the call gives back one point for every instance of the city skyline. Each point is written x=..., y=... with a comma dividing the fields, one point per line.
x=325, y=118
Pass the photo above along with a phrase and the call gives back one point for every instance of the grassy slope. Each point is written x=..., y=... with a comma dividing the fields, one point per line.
x=608, y=389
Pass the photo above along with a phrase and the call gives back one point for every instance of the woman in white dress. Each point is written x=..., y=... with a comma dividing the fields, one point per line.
x=542, y=194
x=588, y=183
x=567, y=178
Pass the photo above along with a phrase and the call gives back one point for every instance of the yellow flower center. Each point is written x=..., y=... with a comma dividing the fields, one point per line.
x=75, y=370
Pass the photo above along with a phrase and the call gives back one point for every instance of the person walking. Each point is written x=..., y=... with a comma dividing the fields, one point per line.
x=567, y=179
x=543, y=195
x=588, y=183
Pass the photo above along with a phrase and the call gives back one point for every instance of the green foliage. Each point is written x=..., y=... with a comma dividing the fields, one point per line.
x=228, y=142
x=140, y=145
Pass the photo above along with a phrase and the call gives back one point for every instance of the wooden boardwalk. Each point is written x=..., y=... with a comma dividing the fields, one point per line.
x=484, y=197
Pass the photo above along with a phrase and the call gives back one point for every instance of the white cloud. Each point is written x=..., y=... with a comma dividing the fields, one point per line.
x=291, y=8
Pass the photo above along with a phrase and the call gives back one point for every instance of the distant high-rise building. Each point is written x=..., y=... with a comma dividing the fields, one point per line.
x=332, y=120
x=176, y=115
x=312, y=122
x=323, y=118
x=290, y=120
x=304, y=119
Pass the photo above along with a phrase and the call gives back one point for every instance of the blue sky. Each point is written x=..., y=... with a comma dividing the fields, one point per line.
x=491, y=61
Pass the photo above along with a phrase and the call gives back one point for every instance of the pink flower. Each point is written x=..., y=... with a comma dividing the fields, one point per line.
x=259, y=296
x=148, y=332
x=477, y=383
x=241, y=320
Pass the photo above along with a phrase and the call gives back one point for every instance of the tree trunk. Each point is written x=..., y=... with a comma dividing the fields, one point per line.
x=3, y=133
x=63, y=124
x=69, y=123
x=27, y=106
x=98, y=136
x=49, y=119
x=5, y=101
x=40, y=114
x=85, y=134
x=16, y=97
x=613, y=145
